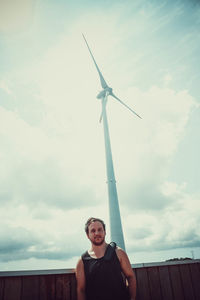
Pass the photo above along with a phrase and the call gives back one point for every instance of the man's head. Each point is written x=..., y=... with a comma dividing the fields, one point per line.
x=92, y=220
x=95, y=230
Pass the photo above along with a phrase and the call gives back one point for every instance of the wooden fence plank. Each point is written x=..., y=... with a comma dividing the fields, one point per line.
x=143, y=292
x=12, y=288
x=166, y=288
x=1, y=287
x=73, y=293
x=30, y=288
x=176, y=283
x=47, y=287
x=195, y=275
x=187, y=282
x=62, y=287
x=154, y=283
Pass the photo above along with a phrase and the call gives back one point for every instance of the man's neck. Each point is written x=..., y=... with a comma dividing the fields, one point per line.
x=98, y=251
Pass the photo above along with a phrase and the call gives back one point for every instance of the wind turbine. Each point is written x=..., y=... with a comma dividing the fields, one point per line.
x=114, y=212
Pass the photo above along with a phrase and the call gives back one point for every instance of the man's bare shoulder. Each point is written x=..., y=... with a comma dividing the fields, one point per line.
x=119, y=249
x=120, y=252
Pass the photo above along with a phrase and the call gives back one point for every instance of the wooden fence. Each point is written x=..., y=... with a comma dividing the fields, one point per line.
x=155, y=281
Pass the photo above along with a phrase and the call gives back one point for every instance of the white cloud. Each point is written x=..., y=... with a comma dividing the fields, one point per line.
x=16, y=15
x=176, y=226
x=4, y=85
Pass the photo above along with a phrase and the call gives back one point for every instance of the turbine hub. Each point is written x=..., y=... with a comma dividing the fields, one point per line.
x=102, y=94
x=108, y=89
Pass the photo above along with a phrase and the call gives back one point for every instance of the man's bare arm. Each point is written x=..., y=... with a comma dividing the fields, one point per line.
x=128, y=271
x=80, y=277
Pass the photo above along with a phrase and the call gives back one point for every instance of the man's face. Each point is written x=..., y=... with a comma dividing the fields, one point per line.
x=96, y=233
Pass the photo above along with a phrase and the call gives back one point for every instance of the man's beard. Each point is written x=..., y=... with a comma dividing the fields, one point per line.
x=98, y=243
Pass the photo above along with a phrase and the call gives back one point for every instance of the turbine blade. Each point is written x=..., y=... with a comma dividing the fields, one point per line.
x=103, y=82
x=101, y=117
x=103, y=108
x=111, y=94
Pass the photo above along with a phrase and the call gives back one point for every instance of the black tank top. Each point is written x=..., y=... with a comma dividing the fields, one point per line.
x=104, y=279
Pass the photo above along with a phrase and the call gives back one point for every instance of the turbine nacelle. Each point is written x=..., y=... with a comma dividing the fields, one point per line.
x=104, y=92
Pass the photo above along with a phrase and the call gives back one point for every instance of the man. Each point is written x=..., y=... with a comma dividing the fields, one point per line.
x=102, y=272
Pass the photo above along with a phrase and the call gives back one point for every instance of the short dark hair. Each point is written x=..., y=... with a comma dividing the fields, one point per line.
x=92, y=220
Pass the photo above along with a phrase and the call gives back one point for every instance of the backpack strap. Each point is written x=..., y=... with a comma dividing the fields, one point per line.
x=109, y=251
x=85, y=256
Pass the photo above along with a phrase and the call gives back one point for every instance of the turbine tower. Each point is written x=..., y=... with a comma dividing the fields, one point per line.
x=114, y=211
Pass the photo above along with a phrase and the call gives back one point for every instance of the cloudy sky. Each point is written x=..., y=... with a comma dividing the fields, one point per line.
x=52, y=173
